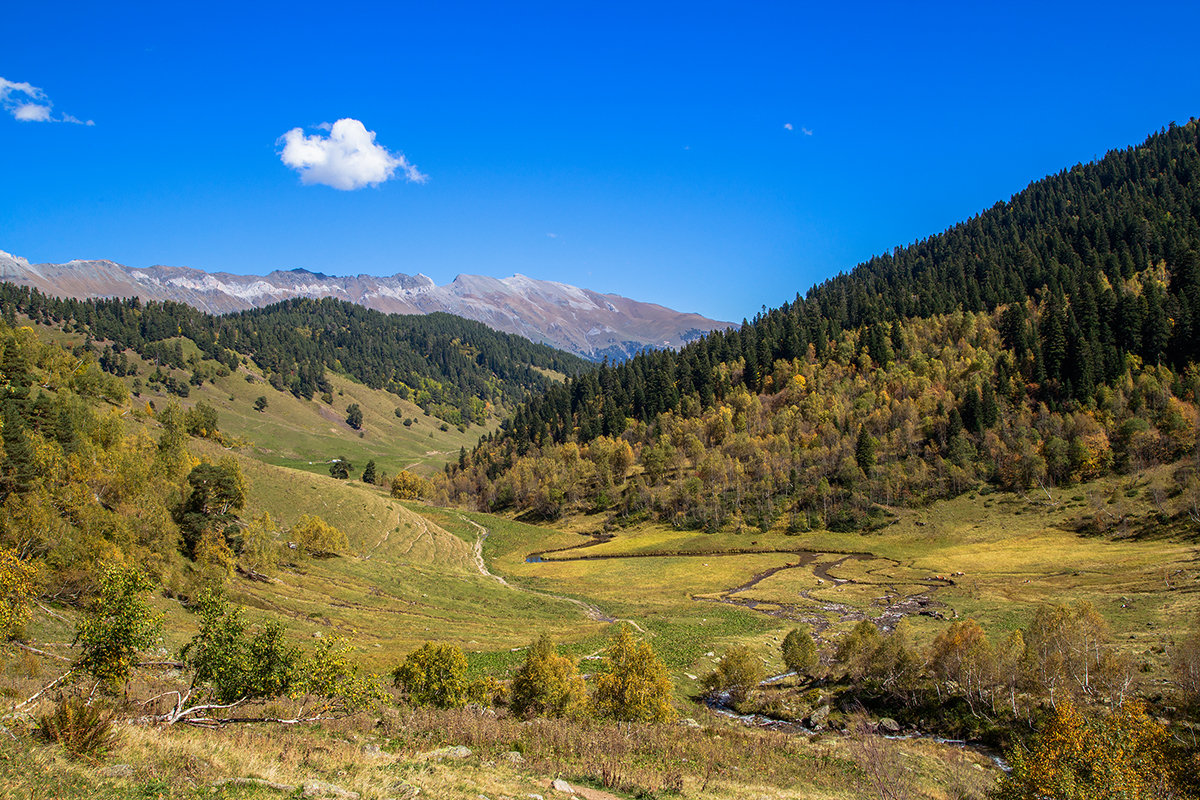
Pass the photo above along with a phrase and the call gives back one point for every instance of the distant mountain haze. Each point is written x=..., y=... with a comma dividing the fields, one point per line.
x=580, y=321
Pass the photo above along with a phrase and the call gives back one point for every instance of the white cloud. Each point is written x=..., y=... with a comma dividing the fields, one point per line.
x=552, y=235
x=31, y=112
x=28, y=103
x=806, y=131
x=348, y=158
x=788, y=126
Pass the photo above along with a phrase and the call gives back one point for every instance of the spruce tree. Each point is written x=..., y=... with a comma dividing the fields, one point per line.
x=19, y=472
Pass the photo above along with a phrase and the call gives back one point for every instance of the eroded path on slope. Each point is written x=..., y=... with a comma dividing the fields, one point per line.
x=592, y=612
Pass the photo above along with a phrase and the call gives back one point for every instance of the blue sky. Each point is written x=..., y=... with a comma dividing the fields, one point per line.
x=637, y=148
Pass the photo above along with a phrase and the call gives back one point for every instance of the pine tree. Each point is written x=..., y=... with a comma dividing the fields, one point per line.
x=864, y=450
x=989, y=411
x=19, y=471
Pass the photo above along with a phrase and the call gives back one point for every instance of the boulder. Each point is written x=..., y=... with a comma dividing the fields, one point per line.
x=889, y=725
x=559, y=785
x=513, y=757
x=819, y=715
x=688, y=722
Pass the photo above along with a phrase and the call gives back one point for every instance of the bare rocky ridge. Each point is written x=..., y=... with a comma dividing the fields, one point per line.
x=580, y=321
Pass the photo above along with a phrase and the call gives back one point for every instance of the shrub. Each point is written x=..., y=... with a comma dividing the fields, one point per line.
x=340, y=468
x=83, y=730
x=230, y=666
x=855, y=651
x=434, y=675
x=119, y=625
x=317, y=537
x=547, y=683
x=1124, y=754
x=800, y=651
x=738, y=672
x=407, y=486
x=18, y=587
x=636, y=686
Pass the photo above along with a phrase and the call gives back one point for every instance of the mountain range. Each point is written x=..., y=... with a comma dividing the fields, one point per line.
x=580, y=321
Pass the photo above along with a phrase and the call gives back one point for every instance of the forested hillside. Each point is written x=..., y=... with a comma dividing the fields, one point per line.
x=451, y=367
x=1050, y=339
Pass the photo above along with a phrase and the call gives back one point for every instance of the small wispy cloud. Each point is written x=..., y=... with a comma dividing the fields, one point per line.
x=790, y=127
x=347, y=158
x=29, y=103
x=806, y=131
x=551, y=235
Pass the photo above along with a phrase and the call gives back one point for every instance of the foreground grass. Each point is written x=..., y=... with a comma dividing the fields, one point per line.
x=387, y=755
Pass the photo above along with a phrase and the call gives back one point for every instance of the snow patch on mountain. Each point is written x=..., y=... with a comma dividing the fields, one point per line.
x=578, y=320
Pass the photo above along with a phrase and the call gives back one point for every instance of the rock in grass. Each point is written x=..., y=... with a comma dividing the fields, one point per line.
x=889, y=725
x=514, y=757
x=559, y=785
x=457, y=751
x=404, y=791
x=818, y=716
x=117, y=771
x=322, y=789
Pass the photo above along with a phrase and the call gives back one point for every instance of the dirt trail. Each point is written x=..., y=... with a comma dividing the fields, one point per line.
x=592, y=612
x=383, y=540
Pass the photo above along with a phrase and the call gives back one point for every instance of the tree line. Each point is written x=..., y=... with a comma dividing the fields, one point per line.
x=832, y=443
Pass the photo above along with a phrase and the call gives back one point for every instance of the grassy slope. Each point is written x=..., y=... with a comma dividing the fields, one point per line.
x=306, y=434
x=406, y=579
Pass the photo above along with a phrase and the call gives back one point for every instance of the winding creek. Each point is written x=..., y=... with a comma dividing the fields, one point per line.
x=816, y=612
